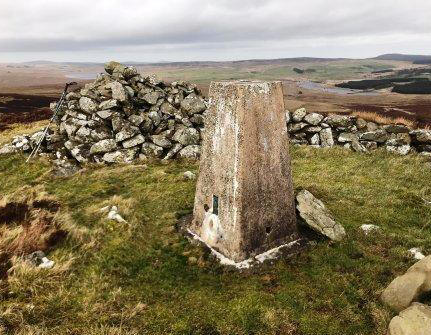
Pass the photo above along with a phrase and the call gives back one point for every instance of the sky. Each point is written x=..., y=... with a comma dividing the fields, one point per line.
x=191, y=30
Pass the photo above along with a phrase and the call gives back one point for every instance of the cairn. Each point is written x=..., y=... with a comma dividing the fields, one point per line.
x=123, y=116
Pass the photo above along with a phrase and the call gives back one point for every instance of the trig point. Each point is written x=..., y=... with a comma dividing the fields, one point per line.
x=244, y=202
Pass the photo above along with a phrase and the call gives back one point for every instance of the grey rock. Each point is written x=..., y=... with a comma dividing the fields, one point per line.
x=379, y=136
x=100, y=133
x=361, y=123
x=161, y=141
x=422, y=135
x=87, y=105
x=188, y=175
x=108, y=104
x=295, y=127
x=400, y=150
x=335, y=120
x=313, y=118
x=347, y=137
x=371, y=126
x=193, y=104
x=396, y=128
x=174, y=150
x=151, y=97
x=326, y=138
x=314, y=140
x=134, y=141
x=299, y=114
x=83, y=134
x=103, y=146
x=155, y=117
x=357, y=146
x=121, y=156
x=81, y=152
x=369, y=145
x=197, y=119
x=312, y=129
x=110, y=66
x=186, y=136
x=64, y=168
x=151, y=150
x=136, y=119
x=190, y=152
x=318, y=217
x=126, y=132
x=399, y=139
x=8, y=149
x=105, y=114
x=118, y=92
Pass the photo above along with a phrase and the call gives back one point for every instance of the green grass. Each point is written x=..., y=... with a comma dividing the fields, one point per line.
x=136, y=278
x=334, y=70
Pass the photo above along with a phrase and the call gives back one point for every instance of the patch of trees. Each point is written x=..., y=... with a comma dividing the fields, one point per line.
x=418, y=87
x=382, y=71
x=301, y=71
x=377, y=84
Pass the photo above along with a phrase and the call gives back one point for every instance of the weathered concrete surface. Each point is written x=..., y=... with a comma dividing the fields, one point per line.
x=245, y=163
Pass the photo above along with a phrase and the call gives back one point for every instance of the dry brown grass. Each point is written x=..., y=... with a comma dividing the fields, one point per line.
x=7, y=135
x=31, y=220
x=377, y=118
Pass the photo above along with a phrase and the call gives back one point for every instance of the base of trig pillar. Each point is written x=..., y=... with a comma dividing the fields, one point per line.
x=244, y=202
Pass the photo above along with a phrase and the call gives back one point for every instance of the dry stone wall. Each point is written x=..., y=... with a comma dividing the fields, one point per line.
x=355, y=133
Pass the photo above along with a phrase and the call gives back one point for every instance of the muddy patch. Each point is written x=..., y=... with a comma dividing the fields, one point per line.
x=28, y=224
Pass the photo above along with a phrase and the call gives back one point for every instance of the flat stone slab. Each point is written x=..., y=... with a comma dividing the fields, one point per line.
x=317, y=216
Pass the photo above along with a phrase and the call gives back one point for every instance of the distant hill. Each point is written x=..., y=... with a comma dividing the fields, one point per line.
x=416, y=59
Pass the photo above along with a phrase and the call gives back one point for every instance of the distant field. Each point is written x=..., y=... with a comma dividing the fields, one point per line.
x=333, y=70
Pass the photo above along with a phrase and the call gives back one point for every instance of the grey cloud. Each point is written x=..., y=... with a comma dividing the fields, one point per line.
x=52, y=26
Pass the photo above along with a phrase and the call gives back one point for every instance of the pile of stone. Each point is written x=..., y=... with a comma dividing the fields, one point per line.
x=355, y=133
x=122, y=116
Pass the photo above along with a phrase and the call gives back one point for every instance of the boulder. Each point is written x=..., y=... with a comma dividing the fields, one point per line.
x=335, y=120
x=299, y=114
x=358, y=147
x=193, y=104
x=103, y=146
x=399, y=139
x=347, y=137
x=121, y=156
x=161, y=141
x=396, y=128
x=326, y=138
x=187, y=136
x=400, y=150
x=313, y=118
x=405, y=289
x=8, y=149
x=379, y=136
x=118, y=91
x=151, y=150
x=126, y=132
x=190, y=152
x=295, y=127
x=88, y=105
x=422, y=135
x=134, y=141
x=317, y=216
x=415, y=320
x=314, y=140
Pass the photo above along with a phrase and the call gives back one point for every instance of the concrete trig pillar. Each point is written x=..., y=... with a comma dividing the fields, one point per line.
x=244, y=202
